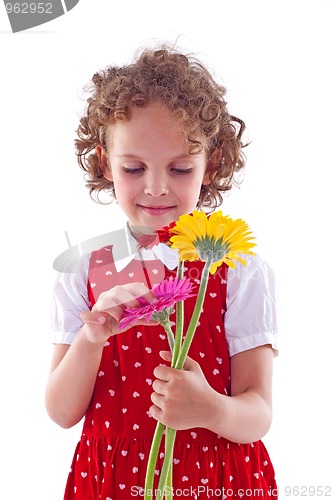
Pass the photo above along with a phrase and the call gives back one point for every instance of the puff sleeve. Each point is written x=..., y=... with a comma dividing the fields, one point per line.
x=69, y=299
x=250, y=318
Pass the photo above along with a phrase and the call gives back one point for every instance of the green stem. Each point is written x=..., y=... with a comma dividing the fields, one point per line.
x=179, y=320
x=168, y=494
x=195, y=316
x=155, y=446
x=178, y=359
x=167, y=462
x=170, y=335
x=166, y=473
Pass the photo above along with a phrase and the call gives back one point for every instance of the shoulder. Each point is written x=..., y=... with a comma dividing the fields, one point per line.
x=72, y=258
x=254, y=274
x=254, y=266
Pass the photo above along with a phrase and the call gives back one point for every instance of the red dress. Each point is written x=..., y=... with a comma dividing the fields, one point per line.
x=111, y=457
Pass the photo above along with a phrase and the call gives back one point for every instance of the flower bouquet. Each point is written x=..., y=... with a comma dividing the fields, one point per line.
x=213, y=239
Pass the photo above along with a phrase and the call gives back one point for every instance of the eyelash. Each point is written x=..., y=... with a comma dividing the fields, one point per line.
x=177, y=171
x=182, y=171
x=132, y=170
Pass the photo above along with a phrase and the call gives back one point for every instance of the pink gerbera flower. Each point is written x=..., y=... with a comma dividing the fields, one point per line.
x=173, y=290
x=167, y=293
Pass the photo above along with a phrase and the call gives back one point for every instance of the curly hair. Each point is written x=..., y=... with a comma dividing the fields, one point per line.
x=186, y=87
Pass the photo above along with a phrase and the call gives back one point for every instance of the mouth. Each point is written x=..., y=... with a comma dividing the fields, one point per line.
x=156, y=210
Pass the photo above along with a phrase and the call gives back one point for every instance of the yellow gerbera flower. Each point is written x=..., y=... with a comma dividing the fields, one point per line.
x=213, y=239
x=217, y=238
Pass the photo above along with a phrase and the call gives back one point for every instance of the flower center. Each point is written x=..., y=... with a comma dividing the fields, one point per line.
x=162, y=316
x=211, y=249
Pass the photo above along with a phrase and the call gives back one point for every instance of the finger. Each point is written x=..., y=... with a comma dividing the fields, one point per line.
x=146, y=323
x=141, y=290
x=93, y=318
x=190, y=364
x=156, y=399
x=148, y=295
x=116, y=300
x=141, y=322
x=159, y=386
x=156, y=413
x=166, y=355
x=163, y=373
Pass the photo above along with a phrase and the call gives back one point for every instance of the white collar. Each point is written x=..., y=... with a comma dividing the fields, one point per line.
x=162, y=252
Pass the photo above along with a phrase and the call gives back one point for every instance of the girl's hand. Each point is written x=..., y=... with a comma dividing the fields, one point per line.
x=103, y=320
x=182, y=399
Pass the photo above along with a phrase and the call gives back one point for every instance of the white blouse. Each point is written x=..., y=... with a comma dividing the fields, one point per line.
x=250, y=318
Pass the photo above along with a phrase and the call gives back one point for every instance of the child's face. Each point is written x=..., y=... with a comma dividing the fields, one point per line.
x=155, y=179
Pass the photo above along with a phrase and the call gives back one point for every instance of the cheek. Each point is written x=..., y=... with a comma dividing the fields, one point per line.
x=189, y=198
x=193, y=188
x=124, y=189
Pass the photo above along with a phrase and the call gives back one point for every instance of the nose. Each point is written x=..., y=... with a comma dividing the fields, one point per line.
x=156, y=184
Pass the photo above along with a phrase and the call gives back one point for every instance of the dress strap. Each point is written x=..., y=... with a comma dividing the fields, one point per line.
x=101, y=264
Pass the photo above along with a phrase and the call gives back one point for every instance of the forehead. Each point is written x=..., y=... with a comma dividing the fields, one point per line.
x=153, y=122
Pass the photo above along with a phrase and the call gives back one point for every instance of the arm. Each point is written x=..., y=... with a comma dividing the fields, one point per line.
x=183, y=399
x=246, y=415
x=74, y=368
x=72, y=379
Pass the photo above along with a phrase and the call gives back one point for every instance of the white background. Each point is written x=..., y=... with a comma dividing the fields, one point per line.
x=275, y=57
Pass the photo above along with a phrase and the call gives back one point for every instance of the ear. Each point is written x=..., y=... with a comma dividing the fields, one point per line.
x=104, y=163
x=212, y=163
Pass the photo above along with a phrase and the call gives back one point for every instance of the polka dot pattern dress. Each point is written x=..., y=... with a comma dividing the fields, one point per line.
x=111, y=457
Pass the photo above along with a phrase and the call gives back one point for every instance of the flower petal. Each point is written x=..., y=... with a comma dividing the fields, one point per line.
x=198, y=236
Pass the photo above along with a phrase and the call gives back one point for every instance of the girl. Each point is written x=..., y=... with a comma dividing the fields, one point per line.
x=158, y=137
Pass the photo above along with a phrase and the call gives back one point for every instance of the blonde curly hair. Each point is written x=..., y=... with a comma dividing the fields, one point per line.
x=186, y=87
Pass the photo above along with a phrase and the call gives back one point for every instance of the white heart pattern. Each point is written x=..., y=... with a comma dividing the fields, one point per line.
x=134, y=363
